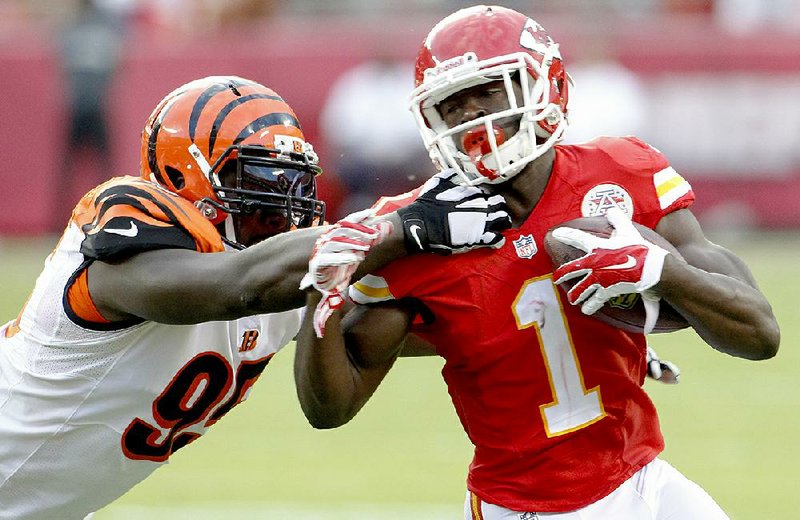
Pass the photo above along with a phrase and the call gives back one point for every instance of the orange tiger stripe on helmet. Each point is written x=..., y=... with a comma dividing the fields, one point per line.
x=211, y=114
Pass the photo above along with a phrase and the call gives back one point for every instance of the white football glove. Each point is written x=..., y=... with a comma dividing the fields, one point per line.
x=665, y=371
x=449, y=218
x=336, y=255
x=623, y=263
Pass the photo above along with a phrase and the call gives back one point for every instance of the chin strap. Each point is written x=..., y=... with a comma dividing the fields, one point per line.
x=230, y=234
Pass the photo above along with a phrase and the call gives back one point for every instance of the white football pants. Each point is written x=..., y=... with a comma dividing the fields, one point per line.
x=656, y=492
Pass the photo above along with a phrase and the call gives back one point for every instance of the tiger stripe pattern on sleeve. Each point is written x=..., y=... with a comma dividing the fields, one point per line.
x=128, y=215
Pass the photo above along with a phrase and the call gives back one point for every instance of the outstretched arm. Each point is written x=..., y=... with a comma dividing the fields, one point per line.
x=335, y=375
x=716, y=292
x=184, y=287
x=179, y=286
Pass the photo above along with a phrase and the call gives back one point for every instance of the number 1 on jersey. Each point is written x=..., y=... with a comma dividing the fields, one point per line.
x=573, y=407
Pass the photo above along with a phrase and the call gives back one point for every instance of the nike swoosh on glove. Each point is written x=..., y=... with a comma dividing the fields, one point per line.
x=622, y=263
x=448, y=218
x=336, y=255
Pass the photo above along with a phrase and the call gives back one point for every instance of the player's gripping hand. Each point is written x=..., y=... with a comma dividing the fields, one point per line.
x=661, y=370
x=336, y=255
x=623, y=263
x=448, y=218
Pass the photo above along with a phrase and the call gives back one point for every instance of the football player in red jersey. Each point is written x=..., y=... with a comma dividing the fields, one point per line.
x=169, y=293
x=551, y=398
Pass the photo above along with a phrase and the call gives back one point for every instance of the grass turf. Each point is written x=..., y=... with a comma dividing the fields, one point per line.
x=731, y=425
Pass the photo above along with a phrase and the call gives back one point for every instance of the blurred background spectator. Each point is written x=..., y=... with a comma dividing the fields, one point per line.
x=606, y=98
x=741, y=16
x=91, y=45
x=713, y=83
x=372, y=141
x=183, y=18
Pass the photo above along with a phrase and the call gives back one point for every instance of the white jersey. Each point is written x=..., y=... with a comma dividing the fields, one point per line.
x=88, y=409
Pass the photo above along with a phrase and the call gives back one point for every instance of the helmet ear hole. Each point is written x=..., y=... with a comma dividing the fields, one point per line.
x=175, y=177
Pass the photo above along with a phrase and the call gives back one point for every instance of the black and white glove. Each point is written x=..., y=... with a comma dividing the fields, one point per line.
x=448, y=218
x=665, y=371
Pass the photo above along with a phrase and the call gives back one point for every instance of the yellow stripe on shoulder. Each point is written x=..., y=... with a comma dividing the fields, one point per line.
x=670, y=186
x=370, y=289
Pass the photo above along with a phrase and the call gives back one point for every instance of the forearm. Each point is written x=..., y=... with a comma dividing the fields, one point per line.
x=325, y=377
x=273, y=269
x=391, y=248
x=730, y=315
x=269, y=273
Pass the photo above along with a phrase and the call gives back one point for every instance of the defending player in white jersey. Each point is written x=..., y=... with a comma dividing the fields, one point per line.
x=167, y=296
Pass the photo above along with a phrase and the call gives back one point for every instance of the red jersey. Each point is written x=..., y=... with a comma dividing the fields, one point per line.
x=552, y=399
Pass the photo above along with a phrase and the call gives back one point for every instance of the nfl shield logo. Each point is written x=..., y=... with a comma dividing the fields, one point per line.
x=525, y=246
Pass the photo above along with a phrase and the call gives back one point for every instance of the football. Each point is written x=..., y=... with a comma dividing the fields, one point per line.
x=627, y=311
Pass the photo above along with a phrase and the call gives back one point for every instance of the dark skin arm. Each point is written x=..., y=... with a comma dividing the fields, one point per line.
x=184, y=287
x=414, y=346
x=337, y=374
x=716, y=292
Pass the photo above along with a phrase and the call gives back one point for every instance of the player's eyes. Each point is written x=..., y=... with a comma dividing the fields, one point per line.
x=448, y=108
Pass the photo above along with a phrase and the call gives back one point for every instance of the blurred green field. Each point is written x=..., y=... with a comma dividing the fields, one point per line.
x=731, y=425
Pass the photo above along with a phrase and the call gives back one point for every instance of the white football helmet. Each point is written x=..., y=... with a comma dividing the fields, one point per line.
x=479, y=45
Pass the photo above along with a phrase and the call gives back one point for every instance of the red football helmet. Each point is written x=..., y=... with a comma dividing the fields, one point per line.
x=234, y=148
x=479, y=45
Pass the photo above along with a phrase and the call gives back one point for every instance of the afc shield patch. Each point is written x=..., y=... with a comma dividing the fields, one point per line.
x=603, y=197
x=525, y=246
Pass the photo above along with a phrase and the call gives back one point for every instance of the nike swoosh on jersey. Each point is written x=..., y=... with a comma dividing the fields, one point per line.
x=414, y=229
x=627, y=264
x=130, y=232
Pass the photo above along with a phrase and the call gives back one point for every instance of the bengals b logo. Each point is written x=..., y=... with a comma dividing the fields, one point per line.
x=249, y=340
